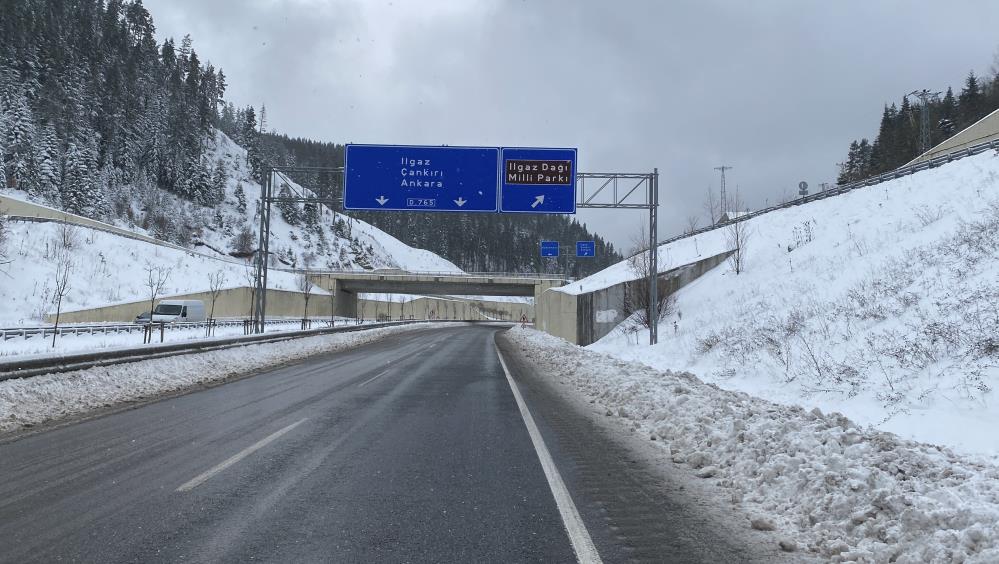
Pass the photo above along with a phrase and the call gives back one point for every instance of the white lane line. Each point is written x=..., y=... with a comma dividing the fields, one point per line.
x=582, y=544
x=372, y=379
x=202, y=478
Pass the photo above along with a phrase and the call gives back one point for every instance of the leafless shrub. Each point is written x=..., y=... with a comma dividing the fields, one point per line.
x=692, y=224
x=640, y=290
x=68, y=236
x=4, y=234
x=927, y=215
x=737, y=237
x=215, y=282
x=712, y=207
x=305, y=286
x=156, y=279
x=64, y=268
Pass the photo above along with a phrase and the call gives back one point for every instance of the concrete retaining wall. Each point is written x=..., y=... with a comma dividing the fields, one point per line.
x=585, y=318
x=235, y=302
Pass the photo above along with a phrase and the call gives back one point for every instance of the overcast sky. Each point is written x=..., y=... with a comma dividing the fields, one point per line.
x=775, y=89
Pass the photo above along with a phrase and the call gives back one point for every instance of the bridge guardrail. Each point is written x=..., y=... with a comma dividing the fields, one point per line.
x=387, y=273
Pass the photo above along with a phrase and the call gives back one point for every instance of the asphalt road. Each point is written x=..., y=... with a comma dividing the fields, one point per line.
x=411, y=449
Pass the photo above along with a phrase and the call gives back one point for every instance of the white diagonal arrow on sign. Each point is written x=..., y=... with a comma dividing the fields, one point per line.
x=538, y=200
x=381, y=200
x=460, y=201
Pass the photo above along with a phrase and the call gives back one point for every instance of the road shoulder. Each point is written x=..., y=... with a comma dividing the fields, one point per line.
x=637, y=503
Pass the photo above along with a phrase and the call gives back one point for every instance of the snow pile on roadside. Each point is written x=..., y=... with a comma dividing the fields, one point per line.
x=30, y=401
x=823, y=484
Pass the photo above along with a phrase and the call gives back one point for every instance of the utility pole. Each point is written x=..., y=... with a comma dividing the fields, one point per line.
x=724, y=199
x=925, y=96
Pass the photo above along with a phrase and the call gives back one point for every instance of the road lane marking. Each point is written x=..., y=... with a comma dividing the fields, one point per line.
x=582, y=544
x=202, y=478
x=372, y=379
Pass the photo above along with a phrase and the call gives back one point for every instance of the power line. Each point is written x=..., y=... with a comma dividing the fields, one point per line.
x=925, y=96
x=724, y=198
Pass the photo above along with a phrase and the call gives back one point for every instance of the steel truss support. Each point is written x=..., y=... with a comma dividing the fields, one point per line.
x=267, y=198
x=613, y=192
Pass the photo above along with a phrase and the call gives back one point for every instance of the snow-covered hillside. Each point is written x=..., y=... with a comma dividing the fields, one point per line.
x=110, y=269
x=337, y=242
x=882, y=304
x=107, y=269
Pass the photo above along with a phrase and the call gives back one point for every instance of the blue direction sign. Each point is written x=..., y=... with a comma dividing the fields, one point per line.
x=420, y=178
x=538, y=180
x=549, y=248
x=586, y=249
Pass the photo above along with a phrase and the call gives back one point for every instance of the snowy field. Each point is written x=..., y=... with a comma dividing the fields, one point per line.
x=824, y=484
x=882, y=304
x=37, y=346
x=31, y=401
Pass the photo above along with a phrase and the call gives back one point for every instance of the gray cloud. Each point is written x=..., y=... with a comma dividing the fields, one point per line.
x=775, y=89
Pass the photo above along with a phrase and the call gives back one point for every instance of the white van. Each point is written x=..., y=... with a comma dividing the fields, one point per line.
x=168, y=311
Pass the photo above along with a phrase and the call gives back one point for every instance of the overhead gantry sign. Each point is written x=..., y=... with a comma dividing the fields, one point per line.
x=459, y=179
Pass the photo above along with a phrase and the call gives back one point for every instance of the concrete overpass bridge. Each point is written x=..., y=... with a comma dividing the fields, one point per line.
x=346, y=285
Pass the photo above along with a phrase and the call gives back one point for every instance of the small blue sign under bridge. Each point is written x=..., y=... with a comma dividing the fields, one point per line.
x=549, y=248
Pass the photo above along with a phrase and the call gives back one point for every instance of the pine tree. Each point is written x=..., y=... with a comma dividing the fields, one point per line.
x=47, y=160
x=289, y=210
x=75, y=188
x=3, y=168
x=970, y=105
x=219, y=178
x=240, y=198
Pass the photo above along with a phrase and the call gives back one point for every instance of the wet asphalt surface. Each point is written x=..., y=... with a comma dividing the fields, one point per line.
x=410, y=449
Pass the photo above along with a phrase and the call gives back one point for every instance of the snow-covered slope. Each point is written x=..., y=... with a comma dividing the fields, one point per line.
x=336, y=242
x=882, y=304
x=347, y=243
x=110, y=269
x=107, y=269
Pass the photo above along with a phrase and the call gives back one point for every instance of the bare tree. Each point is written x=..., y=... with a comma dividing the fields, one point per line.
x=250, y=274
x=64, y=266
x=4, y=220
x=692, y=223
x=711, y=206
x=215, y=282
x=156, y=279
x=737, y=238
x=68, y=236
x=639, y=290
x=305, y=286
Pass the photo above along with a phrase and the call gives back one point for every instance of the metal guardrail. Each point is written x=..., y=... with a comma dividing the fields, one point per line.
x=7, y=333
x=394, y=272
x=15, y=369
x=874, y=180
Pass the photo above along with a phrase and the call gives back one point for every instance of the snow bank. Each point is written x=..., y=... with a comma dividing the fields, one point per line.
x=821, y=482
x=882, y=304
x=30, y=401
